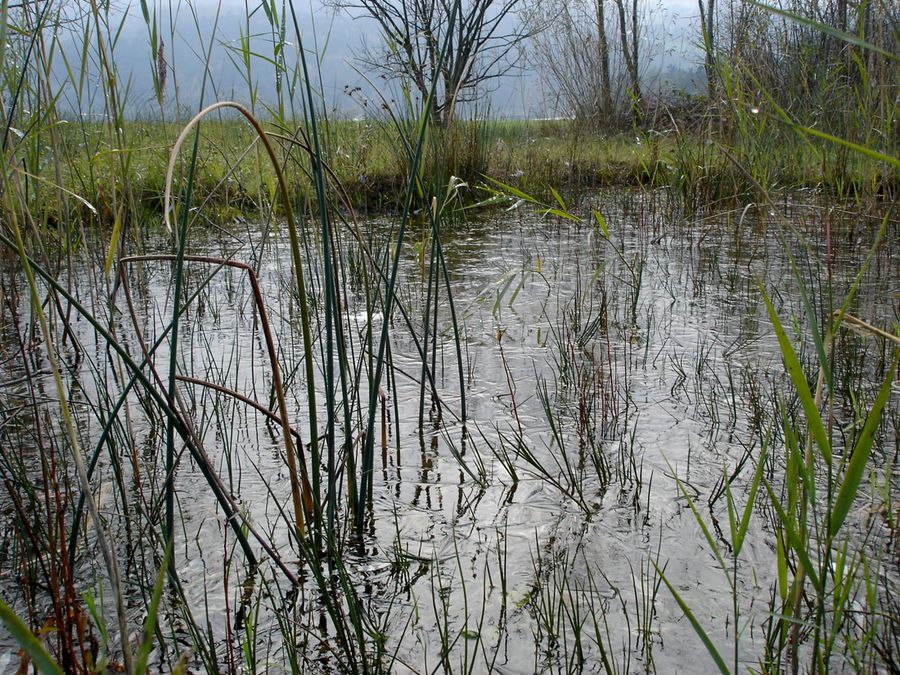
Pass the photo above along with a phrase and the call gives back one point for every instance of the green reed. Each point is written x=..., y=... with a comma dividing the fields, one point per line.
x=819, y=574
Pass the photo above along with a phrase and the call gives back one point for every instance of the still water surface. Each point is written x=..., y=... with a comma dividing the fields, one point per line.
x=595, y=370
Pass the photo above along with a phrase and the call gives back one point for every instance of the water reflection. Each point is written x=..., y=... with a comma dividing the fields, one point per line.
x=594, y=371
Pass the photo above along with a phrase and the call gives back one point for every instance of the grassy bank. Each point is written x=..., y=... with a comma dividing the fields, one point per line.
x=368, y=166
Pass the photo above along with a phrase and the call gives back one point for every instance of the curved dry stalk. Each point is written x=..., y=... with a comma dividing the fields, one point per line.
x=308, y=498
x=858, y=325
x=290, y=448
x=232, y=510
x=238, y=396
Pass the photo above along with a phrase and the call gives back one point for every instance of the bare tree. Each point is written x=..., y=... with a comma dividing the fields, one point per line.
x=589, y=55
x=630, y=51
x=707, y=27
x=603, y=57
x=571, y=50
x=482, y=43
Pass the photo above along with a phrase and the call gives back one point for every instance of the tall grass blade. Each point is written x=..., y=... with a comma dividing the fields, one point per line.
x=706, y=533
x=4, y=18
x=601, y=222
x=28, y=641
x=143, y=652
x=175, y=322
x=782, y=569
x=113, y=242
x=849, y=38
x=856, y=147
x=859, y=458
x=751, y=499
x=513, y=191
x=795, y=370
x=704, y=637
x=796, y=543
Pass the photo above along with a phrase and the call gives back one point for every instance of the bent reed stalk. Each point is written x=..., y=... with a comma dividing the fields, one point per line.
x=303, y=510
x=308, y=501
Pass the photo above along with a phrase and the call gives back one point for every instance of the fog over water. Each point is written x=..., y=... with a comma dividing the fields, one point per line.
x=672, y=58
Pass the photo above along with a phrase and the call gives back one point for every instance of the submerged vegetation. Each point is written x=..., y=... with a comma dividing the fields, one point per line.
x=285, y=392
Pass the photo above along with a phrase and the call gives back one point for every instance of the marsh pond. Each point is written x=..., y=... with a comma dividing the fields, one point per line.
x=573, y=444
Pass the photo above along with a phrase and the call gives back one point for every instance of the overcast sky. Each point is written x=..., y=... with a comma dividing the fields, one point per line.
x=335, y=38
